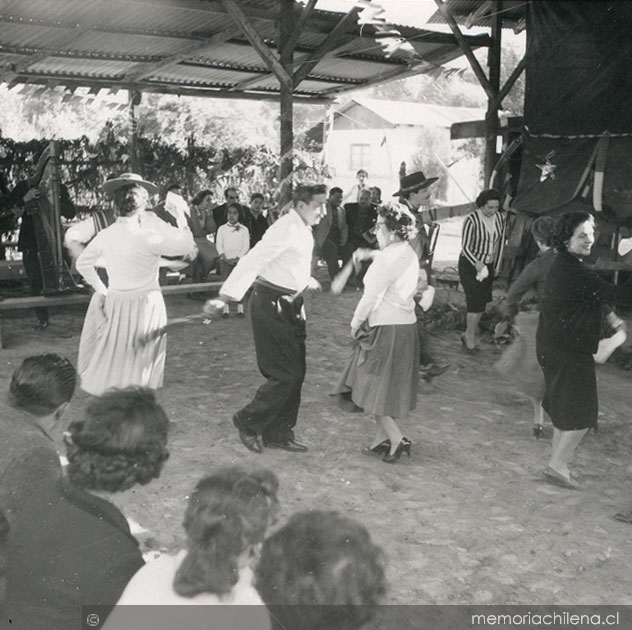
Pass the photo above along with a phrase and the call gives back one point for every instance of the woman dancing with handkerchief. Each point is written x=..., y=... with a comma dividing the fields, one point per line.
x=481, y=252
x=382, y=375
x=574, y=302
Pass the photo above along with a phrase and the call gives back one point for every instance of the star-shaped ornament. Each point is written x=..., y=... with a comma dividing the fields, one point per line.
x=547, y=170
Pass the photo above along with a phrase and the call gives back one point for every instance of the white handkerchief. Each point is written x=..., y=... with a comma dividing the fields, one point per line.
x=427, y=298
x=608, y=345
x=482, y=274
x=177, y=207
x=625, y=246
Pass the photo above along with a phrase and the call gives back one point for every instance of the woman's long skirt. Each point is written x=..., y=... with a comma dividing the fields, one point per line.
x=109, y=352
x=383, y=372
x=519, y=362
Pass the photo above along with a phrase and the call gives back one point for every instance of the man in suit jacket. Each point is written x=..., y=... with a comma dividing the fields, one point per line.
x=331, y=233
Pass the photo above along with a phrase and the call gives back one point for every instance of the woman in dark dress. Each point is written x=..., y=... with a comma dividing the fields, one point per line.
x=568, y=337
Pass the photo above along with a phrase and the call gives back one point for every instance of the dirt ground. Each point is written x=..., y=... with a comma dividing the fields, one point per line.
x=467, y=520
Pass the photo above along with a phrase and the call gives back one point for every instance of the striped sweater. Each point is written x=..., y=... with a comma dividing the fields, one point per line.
x=477, y=245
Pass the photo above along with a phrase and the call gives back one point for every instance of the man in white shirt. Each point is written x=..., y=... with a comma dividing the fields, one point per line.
x=280, y=267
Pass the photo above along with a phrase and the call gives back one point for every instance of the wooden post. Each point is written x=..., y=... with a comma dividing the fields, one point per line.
x=133, y=101
x=491, y=118
x=286, y=54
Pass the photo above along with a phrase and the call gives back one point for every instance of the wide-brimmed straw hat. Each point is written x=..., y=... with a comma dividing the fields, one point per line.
x=110, y=186
x=414, y=181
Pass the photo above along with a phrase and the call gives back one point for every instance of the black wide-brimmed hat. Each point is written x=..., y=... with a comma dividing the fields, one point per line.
x=414, y=181
x=126, y=179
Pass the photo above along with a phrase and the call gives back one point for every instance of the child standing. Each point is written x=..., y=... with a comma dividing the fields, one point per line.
x=232, y=242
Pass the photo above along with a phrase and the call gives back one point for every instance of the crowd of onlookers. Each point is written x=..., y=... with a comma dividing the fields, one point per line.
x=64, y=544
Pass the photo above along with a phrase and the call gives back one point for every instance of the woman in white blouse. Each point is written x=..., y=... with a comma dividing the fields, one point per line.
x=227, y=516
x=381, y=377
x=132, y=304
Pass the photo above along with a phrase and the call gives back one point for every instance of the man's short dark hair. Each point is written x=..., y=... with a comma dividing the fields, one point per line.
x=257, y=195
x=306, y=192
x=42, y=383
x=335, y=190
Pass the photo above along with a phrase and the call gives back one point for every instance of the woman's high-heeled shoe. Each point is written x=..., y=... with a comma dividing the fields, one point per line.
x=538, y=430
x=402, y=447
x=383, y=448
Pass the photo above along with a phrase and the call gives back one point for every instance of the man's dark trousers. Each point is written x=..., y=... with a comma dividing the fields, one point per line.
x=278, y=326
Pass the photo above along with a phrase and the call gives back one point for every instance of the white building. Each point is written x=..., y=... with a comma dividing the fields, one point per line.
x=378, y=135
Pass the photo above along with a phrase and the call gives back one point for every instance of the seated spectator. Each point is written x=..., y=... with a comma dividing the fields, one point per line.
x=39, y=393
x=233, y=242
x=226, y=519
x=320, y=572
x=376, y=195
x=220, y=213
x=69, y=545
x=204, y=229
x=257, y=222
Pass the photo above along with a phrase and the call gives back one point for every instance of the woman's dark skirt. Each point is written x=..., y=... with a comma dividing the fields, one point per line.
x=477, y=294
x=383, y=372
x=570, y=396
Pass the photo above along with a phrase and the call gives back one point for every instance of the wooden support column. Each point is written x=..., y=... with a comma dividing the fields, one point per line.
x=491, y=118
x=286, y=55
x=134, y=161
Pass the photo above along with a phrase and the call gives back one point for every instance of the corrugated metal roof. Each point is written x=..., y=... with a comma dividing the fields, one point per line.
x=479, y=12
x=157, y=45
x=425, y=114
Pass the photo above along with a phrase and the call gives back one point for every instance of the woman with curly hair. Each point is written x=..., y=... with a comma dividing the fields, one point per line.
x=382, y=374
x=70, y=545
x=571, y=317
x=225, y=522
x=321, y=570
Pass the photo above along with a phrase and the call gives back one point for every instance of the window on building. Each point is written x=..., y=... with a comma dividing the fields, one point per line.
x=360, y=155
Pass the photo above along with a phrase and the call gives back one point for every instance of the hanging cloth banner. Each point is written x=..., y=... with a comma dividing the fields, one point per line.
x=578, y=71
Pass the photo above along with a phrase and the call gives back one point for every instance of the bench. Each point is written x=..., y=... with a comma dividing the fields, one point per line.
x=20, y=303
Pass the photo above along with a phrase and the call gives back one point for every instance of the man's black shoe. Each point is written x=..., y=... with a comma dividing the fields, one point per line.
x=287, y=445
x=430, y=371
x=249, y=439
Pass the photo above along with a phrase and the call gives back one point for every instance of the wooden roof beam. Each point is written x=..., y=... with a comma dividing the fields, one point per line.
x=257, y=42
x=304, y=16
x=147, y=69
x=513, y=77
x=465, y=47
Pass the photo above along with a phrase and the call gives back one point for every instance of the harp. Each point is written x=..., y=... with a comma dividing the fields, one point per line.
x=45, y=212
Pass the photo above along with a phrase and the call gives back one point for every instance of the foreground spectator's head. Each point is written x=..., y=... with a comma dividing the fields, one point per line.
x=320, y=572
x=43, y=385
x=121, y=442
x=226, y=519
